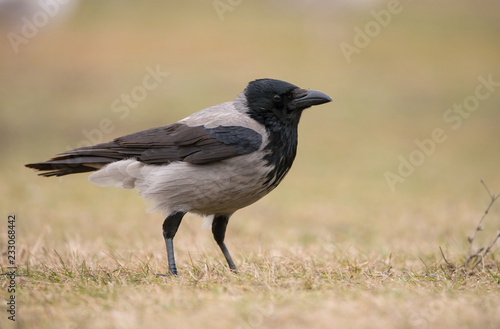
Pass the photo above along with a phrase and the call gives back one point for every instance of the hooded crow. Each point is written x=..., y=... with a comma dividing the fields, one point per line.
x=212, y=163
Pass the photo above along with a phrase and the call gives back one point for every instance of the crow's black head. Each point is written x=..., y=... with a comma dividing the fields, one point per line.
x=271, y=101
x=278, y=105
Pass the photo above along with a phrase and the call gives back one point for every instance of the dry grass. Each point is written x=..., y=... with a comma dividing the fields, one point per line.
x=295, y=288
x=332, y=247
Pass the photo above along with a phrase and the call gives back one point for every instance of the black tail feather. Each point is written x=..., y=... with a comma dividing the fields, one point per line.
x=79, y=160
x=60, y=166
x=58, y=170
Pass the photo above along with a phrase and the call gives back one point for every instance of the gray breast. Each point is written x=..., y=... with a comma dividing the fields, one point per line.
x=218, y=188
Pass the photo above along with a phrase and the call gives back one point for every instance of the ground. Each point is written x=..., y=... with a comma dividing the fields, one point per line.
x=386, y=176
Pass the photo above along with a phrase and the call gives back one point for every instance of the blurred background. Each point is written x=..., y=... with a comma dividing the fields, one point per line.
x=80, y=72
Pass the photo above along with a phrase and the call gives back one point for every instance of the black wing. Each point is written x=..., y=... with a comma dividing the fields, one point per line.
x=162, y=145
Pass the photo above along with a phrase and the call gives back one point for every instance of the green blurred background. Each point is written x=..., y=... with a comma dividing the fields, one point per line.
x=65, y=79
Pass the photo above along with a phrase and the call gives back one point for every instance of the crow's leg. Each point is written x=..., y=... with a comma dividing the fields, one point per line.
x=170, y=226
x=219, y=231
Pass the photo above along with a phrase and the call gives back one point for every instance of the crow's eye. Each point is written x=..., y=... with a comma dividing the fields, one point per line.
x=277, y=98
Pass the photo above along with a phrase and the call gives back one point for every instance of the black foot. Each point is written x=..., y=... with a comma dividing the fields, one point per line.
x=170, y=226
x=219, y=231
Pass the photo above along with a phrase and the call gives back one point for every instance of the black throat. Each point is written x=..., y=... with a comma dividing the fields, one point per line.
x=282, y=145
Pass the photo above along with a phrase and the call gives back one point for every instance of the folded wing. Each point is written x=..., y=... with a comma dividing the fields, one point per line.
x=157, y=146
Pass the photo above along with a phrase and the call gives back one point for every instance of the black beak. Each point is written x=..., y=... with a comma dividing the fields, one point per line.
x=307, y=98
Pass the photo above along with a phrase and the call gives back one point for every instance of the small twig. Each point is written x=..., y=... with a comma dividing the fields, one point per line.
x=426, y=267
x=481, y=252
x=488, y=190
x=487, y=250
x=449, y=266
x=444, y=257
